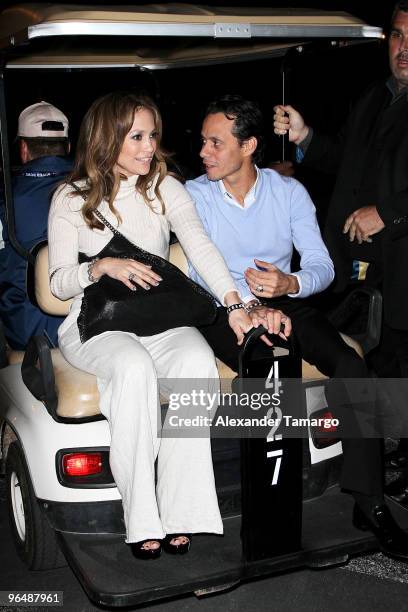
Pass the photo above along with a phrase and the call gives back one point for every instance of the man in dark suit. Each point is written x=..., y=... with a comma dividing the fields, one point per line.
x=367, y=219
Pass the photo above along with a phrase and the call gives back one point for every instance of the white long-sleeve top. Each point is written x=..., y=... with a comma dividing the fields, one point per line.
x=145, y=226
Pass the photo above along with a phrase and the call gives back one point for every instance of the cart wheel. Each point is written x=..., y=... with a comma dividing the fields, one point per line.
x=35, y=540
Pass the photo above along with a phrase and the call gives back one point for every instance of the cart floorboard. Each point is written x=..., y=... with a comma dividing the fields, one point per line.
x=111, y=576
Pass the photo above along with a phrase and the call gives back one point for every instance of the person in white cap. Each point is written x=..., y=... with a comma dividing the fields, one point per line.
x=43, y=144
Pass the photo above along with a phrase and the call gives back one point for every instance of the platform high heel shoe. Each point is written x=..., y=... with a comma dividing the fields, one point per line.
x=392, y=539
x=177, y=549
x=140, y=552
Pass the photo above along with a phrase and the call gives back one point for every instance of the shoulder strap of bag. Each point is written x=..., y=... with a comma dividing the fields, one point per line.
x=98, y=214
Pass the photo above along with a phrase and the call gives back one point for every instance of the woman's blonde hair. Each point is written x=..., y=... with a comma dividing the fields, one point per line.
x=101, y=136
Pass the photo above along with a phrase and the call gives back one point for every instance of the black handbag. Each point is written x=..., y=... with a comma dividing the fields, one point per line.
x=109, y=305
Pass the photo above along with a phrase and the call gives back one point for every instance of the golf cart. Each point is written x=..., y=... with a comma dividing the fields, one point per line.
x=63, y=502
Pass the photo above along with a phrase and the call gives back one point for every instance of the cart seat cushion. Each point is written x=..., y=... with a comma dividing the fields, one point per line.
x=15, y=357
x=77, y=391
x=45, y=299
x=78, y=395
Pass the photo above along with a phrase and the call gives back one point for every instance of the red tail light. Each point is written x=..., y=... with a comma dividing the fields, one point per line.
x=330, y=428
x=82, y=464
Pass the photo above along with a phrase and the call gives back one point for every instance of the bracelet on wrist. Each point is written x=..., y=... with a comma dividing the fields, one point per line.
x=251, y=305
x=91, y=264
x=235, y=307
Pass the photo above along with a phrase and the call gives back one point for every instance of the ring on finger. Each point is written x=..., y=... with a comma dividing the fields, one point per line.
x=259, y=288
x=131, y=276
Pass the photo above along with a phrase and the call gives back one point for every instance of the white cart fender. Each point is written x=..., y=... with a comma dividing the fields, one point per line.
x=41, y=437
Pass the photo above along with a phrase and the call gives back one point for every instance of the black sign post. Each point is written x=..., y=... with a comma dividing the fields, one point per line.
x=271, y=466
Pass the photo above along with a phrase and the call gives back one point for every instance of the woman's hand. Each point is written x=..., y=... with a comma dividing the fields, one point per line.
x=240, y=323
x=128, y=271
x=238, y=319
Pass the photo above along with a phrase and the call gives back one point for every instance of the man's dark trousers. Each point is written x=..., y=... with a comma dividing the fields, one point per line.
x=321, y=345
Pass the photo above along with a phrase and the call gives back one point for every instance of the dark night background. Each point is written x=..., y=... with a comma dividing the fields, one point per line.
x=322, y=85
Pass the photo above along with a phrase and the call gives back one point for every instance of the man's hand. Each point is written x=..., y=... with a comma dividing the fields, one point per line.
x=293, y=121
x=363, y=223
x=271, y=282
x=272, y=320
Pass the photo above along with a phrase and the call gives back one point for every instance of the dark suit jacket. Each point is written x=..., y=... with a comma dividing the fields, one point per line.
x=370, y=156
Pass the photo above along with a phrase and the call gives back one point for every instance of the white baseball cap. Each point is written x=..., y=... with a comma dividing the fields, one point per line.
x=42, y=120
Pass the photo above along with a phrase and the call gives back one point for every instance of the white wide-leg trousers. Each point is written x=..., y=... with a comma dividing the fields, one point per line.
x=127, y=368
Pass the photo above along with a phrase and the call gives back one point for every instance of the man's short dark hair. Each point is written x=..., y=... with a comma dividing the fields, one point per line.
x=402, y=5
x=41, y=147
x=247, y=117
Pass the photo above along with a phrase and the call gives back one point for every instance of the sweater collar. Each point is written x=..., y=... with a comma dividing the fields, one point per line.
x=127, y=186
x=249, y=198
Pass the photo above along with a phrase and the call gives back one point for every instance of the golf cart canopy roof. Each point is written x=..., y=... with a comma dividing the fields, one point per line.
x=167, y=35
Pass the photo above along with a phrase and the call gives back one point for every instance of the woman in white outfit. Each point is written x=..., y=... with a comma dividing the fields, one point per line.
x=121, y=171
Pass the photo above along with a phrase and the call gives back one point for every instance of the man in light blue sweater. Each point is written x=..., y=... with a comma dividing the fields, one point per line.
x=256, y=217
